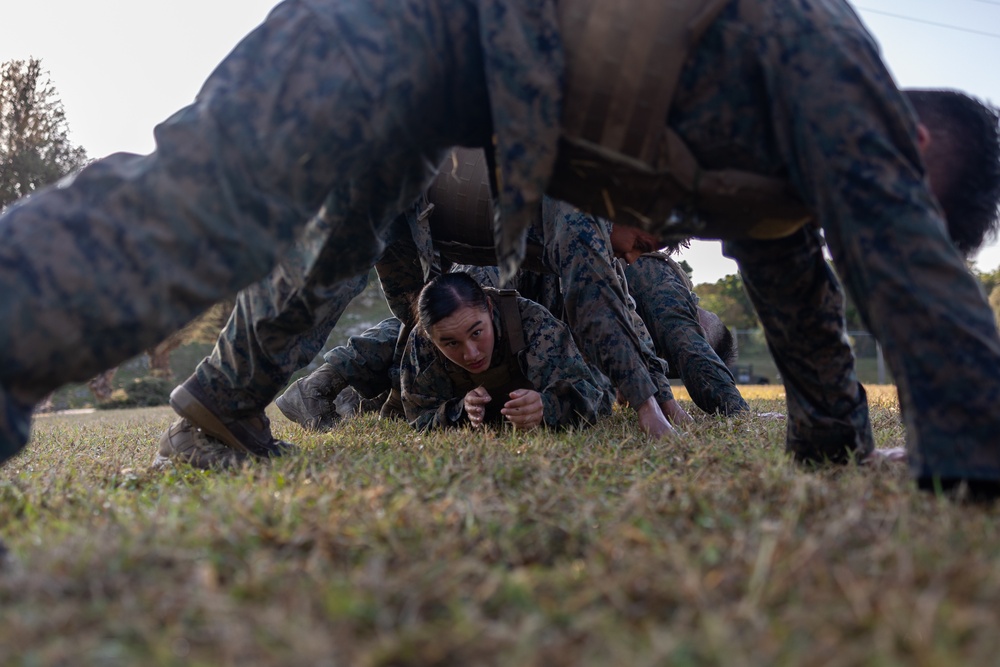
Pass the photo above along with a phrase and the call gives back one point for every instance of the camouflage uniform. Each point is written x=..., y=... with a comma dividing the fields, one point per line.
x=806, y=97
x=550, y=361
x=605, y=325
x=587, y=291
x=278, y=327
x=327, y=107
x=665, y=301
x=657, y=285
x=360, y=95
x=281, y=323
x=369, y=362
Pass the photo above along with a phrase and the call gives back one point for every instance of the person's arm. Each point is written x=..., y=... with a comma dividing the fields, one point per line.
x=427, y=390
x=552, y=362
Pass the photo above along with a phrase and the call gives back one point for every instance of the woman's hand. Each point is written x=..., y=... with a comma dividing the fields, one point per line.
x=674, y=413
x=524, y=409
x=475, y=405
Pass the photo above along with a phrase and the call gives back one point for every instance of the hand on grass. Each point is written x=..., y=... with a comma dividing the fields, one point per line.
x=475, y=405
x=673, y=411
x=524, y=409
x=651, y=420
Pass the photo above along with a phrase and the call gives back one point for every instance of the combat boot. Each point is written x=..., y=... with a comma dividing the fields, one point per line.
x=393, y=406
x=184, y=442
x=310, y=401
x=249, y=435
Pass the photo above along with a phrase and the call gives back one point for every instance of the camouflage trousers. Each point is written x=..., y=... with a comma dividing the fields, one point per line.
x=669, y=308
x=370, y=362
x=801, y=307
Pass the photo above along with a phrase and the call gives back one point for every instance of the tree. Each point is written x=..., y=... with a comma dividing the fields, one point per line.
x=727, y=299
x=990, y=280
x=995, y=303
x=35, y=149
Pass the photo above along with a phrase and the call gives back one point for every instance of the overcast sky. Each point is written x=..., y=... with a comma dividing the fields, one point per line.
x=121, y=66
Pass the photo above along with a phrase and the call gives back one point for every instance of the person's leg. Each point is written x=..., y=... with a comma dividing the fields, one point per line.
x=806, y=96
x=863, y=173
x=275, y=329
x=269, y=336
x=109, y=263
x=364, y=363
x=670, y=312
x=801, y=307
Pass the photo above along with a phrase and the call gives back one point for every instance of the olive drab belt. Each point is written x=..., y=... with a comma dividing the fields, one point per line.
x=507, y=376
x=617, y=157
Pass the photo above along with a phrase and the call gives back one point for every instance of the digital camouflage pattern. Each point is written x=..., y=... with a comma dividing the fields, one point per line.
x=338, y=107
x=588, y=293
x=666, y=303
x=596, y=305
x=827, y=406
x=369, y=362
x=331, y=107
x=550, y=361
x=805, y=96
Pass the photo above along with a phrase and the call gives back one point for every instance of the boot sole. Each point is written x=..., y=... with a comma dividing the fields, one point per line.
x=186, y=405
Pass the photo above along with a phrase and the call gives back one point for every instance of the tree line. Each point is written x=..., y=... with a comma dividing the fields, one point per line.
x=727, y=298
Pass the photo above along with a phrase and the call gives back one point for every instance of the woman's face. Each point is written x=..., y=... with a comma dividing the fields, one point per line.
x=466, y=338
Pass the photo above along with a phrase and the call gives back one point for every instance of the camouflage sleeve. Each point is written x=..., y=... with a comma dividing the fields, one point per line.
x=555, y=366
x=428, y=393
x=366, y=361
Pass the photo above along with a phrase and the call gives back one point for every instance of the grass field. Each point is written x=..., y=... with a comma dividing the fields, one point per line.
x=379, y=546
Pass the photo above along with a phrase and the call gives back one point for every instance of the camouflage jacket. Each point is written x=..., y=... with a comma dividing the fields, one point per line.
x=550, y=361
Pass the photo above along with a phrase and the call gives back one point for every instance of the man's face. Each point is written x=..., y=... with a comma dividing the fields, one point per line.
x=466, y=338
x=628, y=243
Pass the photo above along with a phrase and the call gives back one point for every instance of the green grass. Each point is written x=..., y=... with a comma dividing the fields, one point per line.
x=380, y=546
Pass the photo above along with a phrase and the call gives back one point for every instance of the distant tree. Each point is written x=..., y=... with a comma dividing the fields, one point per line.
x=995, y=303
x=727, y=299
x=35, y=149
x=990, y=280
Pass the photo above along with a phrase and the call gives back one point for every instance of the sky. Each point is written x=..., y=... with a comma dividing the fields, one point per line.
x=122, y=66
